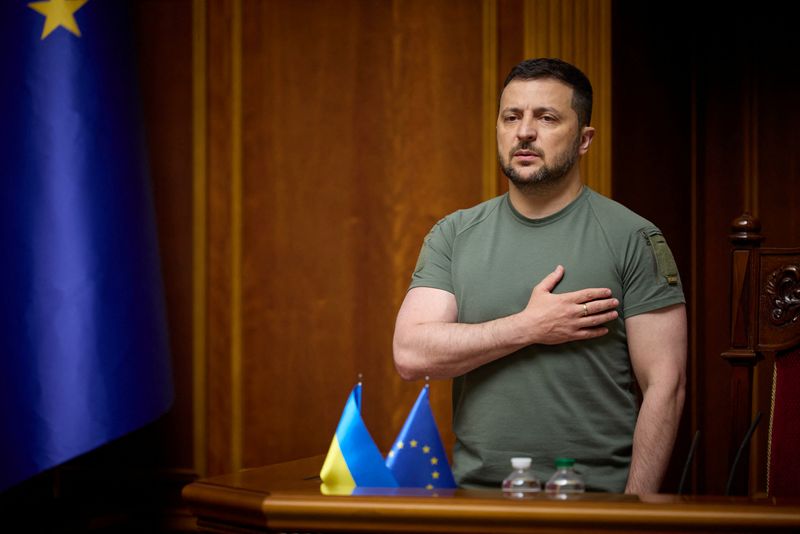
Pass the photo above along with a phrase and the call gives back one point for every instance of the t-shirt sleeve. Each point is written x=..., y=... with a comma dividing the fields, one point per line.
x=433, y=267
x=650, y=276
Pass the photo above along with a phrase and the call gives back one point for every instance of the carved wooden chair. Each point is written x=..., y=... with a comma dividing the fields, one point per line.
x=765, y=357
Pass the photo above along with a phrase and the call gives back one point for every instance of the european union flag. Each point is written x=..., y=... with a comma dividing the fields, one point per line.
x=353, y=458
x=418, y=458
x=84, y=354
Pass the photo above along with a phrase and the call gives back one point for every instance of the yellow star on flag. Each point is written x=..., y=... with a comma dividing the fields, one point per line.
x=434, y=460
x=426, y=449
x=435, y=474
x=413, y=443
x=399, y=444
x=58, y=13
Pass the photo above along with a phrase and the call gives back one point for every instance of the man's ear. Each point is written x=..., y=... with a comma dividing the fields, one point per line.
x=587, y=134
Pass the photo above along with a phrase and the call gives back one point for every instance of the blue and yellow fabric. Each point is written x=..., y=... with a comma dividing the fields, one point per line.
x=84, y=348
x=353, y=458
x=418, y=458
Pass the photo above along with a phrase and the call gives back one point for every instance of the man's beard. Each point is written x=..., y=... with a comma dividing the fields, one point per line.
x=547, y=175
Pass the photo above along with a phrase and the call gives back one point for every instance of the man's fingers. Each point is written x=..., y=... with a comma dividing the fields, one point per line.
x=597, y=319
x=597, y=306
x=550, y=281
x=589, y=294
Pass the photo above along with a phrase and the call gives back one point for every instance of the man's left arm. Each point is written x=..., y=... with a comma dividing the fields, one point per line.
x=657, y=342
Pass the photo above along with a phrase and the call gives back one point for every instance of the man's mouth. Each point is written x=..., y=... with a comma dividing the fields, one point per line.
x=526, y=155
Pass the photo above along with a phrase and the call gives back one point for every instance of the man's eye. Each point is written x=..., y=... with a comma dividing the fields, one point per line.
x=511, y=118
x=548, y=118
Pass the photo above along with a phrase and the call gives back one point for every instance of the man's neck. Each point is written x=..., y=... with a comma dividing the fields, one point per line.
x=545, y=199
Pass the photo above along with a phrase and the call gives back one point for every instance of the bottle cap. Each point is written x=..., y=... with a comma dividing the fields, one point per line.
x=520, y=463
x=564, y=462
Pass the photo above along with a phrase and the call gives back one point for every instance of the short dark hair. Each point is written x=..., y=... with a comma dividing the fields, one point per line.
x=534, y=69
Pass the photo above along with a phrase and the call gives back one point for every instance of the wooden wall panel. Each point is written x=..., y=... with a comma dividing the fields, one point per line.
x=199, y=236
x=220, y=329
x=164, y=50
x=748, y=162
x=361, y=129
x=702, y=133
x=652, y=150
x=721, y=194
x=777, y=147
x=579, y=31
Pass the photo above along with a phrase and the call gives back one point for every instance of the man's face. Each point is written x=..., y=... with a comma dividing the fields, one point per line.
x=538, y=138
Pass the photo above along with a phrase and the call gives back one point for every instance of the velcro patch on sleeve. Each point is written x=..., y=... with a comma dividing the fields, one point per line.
x=664, y=259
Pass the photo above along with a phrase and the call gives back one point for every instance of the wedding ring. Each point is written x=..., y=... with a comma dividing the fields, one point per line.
x=585, y=310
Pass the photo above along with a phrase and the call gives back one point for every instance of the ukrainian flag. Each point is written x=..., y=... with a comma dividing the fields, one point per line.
x=353, y=458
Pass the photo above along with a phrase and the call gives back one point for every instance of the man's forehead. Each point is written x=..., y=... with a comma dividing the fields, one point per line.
x=540, y=92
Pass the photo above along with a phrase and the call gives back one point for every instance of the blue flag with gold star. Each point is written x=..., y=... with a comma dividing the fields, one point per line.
x=417, y=458
x=84, y=354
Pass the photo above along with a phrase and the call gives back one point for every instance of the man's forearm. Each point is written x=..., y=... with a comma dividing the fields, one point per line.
x=445, y=350
x=654, y=438
x=429, y=341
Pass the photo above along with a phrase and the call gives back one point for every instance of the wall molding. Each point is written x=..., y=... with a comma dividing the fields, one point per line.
x=199, y=236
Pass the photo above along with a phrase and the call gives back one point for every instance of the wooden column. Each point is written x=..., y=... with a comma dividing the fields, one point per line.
x=742, y=355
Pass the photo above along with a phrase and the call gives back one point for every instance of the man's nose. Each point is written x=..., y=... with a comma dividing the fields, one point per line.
x=526, y=129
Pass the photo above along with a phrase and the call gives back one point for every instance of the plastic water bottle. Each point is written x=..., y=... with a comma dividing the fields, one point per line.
x=565, y=480
x=521, y=482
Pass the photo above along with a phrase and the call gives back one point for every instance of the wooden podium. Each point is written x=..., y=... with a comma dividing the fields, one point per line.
x=287, y=498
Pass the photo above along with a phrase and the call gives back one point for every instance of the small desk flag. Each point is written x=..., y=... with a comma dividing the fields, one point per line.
x=418, y=458
x=84, y=352
x=353, y=458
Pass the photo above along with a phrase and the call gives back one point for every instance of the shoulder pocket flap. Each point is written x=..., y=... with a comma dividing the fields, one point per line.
x=664, y=259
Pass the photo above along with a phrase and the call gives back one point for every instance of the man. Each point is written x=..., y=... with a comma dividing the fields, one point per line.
x=545, y=304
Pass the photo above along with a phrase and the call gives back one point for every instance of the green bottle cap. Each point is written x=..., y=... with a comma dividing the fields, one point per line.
x=564, y=462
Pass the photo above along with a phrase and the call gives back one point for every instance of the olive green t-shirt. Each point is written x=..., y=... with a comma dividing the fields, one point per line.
x=571, y=400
